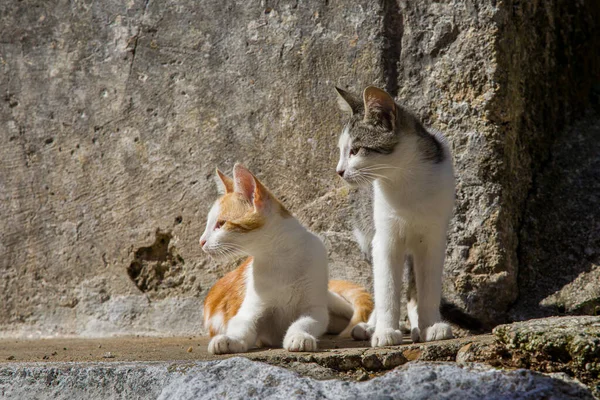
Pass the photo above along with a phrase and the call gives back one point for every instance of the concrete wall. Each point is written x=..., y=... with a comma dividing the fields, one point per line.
x=115, y=115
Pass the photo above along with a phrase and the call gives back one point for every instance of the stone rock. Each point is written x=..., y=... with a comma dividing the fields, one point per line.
x=115, y=115
x=239, y=378
x=560, y=238
x=559, y=343
x=569, y=345
x=489, y=91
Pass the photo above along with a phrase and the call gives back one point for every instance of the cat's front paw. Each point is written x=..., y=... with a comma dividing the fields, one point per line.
x=222, y=344
x=300, y=341
x=386, y=337
x=362, y=331
x=437, y=331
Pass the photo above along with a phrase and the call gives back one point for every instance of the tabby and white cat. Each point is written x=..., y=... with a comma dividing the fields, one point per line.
x=406, y=194
x=279, y=295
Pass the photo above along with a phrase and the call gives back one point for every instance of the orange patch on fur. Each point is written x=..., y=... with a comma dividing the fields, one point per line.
x=224, y=299
x=239, y=214
x=233, y=206
x=361, y=300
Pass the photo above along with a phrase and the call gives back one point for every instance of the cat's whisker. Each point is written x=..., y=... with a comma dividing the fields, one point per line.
x=362, y=179
x=229, y=255
x=226, y=251
x=233, y=246
x=234, y=251
x=378, y=167
x=375, y=176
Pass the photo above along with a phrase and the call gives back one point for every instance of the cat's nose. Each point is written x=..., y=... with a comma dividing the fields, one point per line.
x=340, y=172
x=202, y=242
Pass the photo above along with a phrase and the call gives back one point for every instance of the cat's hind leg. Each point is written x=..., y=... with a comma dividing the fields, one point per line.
x=364, y=242
x=411, y=300
x=303, y=333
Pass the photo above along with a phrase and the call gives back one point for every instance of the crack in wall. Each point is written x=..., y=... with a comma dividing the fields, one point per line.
x=393, y=30
x=136, y=37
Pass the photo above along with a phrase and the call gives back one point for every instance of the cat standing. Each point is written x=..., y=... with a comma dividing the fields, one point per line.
x=411, y=178
x=279, y=295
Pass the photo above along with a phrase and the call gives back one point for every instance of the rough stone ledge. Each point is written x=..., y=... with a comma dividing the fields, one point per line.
x=364, y=362
x=338, y=358
x=569, y=346
x=240, y=378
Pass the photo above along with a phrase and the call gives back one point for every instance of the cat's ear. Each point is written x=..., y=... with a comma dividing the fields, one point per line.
x=379, y=107
x=224, y=183
x=243, y=181
x=347, y=102
x=248, y=186
x=262, y=197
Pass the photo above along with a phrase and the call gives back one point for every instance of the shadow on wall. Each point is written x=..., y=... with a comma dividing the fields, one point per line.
x=559, y=251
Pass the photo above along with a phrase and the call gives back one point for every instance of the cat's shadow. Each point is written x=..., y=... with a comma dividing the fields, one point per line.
x=326, y=343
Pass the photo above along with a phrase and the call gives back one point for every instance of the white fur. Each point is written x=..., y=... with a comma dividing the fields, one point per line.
x=286, y=285
x=413, y=201
x=216, y=322
x=363, y=241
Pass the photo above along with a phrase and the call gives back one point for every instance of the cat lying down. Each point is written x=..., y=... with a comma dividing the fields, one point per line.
x=280, y=295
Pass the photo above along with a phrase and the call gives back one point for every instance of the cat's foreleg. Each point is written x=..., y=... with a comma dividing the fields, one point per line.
x=241, y=331
x=428, y=268
x=388, y=257
x=303, y=333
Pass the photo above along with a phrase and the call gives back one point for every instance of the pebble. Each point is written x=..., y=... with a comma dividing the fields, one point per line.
x=108, y=354
x=362, y=377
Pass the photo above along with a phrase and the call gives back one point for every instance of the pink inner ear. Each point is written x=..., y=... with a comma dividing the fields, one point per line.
x=261, y=196
x=243, y=182
x=379, y=106
x=377, y=100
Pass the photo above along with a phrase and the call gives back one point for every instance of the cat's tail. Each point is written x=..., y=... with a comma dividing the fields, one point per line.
x=349, y=304
x=452, y=313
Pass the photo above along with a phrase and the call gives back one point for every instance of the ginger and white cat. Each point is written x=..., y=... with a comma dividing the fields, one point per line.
x=407, y=195
x=279, y=295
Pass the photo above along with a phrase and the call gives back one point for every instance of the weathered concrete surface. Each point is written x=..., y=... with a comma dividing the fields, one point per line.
x=116, y=113
x=337, y=355
x=239, y=378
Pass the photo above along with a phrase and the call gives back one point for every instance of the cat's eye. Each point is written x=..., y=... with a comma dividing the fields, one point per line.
x=354, y=151
x=219, y=224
